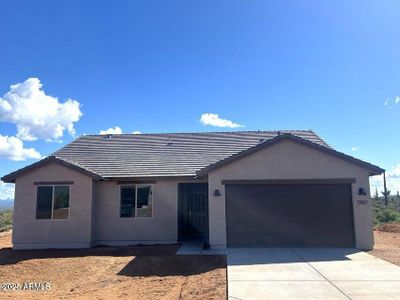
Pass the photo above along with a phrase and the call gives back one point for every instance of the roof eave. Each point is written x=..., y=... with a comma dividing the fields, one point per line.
x=11, y=177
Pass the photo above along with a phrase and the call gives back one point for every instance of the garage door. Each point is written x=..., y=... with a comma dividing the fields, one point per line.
x=293, y=215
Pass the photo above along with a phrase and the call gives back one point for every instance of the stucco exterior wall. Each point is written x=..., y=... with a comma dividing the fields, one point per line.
x=94, y=206
x=94, y=213
x=110, y=229
x=28, y=232
x=290, y=160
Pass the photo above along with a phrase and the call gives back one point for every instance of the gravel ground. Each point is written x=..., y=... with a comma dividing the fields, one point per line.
x=387, y=243
x=144, y=272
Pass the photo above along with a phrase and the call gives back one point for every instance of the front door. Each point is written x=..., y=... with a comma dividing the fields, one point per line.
x=193, y=211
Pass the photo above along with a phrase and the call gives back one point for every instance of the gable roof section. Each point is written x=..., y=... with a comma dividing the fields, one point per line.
x=171, y=154
x=50, y=159
x=374, y=170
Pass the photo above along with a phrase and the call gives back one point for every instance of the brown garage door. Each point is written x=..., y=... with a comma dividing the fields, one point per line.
x=294, y=215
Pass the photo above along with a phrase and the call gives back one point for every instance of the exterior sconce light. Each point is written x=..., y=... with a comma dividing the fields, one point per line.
x=361, y=192
x=217, y=193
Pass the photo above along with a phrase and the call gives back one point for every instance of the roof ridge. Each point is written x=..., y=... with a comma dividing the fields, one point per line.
x=199, y=132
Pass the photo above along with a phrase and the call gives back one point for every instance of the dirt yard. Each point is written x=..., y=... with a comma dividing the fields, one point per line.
x=387, y=243
x=145, y=272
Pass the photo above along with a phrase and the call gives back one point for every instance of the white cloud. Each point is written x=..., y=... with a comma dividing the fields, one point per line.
x=13, y=148
x=215, y=120
x=354, y=148
x=396, y=100
x=115, y=130
x=395, y=172
x=136, y=132
x=6, y=191
x=37, y=115
x=392, y=181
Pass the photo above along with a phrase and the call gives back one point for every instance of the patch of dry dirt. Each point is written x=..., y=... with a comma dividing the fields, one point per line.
x=137, y=272
x=387, y=243
x=5, y=239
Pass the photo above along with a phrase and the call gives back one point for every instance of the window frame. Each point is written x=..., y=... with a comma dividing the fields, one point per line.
x=136, y=189
x=52, y=201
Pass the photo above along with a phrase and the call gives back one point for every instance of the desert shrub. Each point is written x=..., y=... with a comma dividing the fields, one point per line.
x=6, y=220
x=386, y=215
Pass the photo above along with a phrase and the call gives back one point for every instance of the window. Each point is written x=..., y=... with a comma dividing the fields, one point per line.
x=144, y=201
x=52, y=202
x=136, y=201
x=128, y=201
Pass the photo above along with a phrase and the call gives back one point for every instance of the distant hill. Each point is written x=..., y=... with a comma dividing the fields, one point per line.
x=6, y=204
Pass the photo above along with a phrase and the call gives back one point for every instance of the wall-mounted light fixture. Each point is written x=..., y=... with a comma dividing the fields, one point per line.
x=361, y=192
x=217, y=193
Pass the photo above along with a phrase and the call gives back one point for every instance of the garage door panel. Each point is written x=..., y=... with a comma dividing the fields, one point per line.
x=289, y=215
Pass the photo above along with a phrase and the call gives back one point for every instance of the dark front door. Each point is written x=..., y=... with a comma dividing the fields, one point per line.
x=193, y=211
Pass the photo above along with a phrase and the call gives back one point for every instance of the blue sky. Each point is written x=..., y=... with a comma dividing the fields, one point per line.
x=158, y=66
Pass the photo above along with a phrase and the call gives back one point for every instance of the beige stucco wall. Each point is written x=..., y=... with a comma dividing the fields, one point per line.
x=94, y=213
x=110, y=229
x=290, y=160
x=74, y=232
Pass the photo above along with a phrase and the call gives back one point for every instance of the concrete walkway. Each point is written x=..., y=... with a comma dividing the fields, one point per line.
x=196, y=248
x=310, y=274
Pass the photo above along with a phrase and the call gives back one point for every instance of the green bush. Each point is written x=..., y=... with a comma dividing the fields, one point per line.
x=6, y=220
x=386, y=215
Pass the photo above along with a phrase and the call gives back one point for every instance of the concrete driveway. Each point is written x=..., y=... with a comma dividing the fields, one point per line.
x=282, y=273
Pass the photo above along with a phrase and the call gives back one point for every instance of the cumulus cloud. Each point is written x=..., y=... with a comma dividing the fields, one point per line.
x=392, y=181
x=37, y=115
x=13, y=148
x=6, y=191
x=136, y=132
x=215, y=120
x=115, y=130
x=354, y=148
x=397, y=99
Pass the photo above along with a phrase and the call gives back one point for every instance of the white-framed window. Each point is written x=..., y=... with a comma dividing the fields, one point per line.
x=136, y=201
x=52, y=202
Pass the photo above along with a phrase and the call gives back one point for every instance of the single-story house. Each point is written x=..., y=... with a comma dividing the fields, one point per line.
x=228, y=189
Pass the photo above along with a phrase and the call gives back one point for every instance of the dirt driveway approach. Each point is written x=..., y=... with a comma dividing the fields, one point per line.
x=145, y=272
